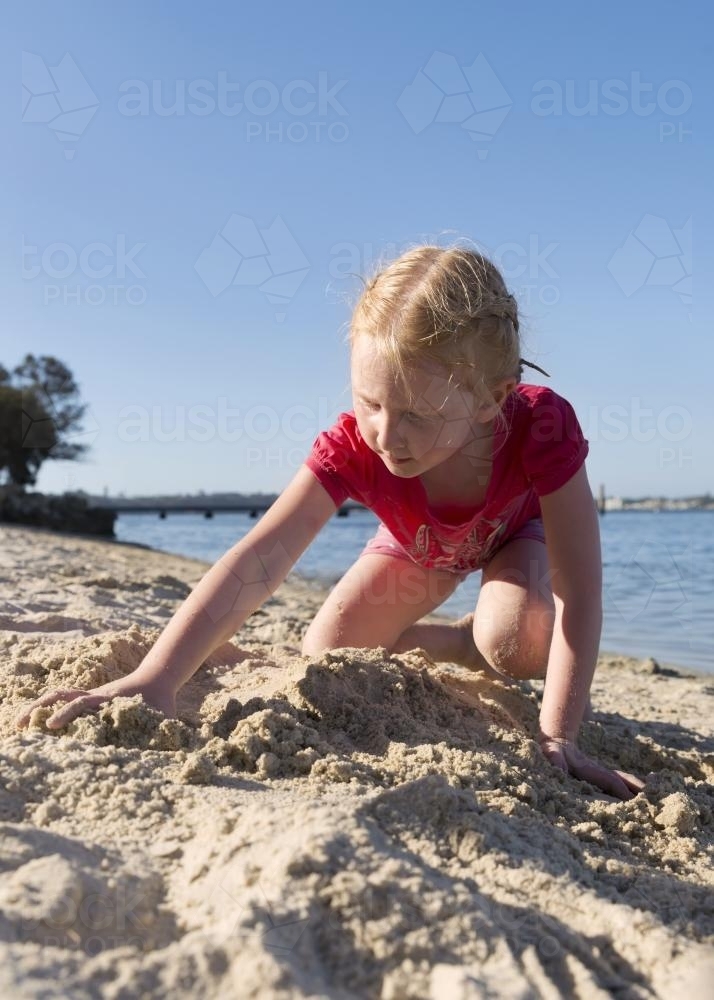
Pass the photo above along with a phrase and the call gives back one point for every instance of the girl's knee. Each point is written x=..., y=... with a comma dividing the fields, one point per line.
x=520, y=663
x=519, y=648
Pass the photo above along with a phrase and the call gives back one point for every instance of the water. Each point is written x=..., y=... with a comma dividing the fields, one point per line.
x=658, y=571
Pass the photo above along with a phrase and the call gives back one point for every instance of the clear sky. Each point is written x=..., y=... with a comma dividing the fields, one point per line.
x=188, y=185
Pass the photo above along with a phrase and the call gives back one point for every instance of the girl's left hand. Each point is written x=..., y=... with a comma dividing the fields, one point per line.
x=566, y=755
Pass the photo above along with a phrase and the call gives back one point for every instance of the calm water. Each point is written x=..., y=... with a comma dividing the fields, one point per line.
x=658, y=575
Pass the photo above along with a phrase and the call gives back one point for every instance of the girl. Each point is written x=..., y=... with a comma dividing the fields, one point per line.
x=467, y=469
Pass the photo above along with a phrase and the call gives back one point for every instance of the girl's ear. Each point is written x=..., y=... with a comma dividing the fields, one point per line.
x=487, y=411
x=503, y=391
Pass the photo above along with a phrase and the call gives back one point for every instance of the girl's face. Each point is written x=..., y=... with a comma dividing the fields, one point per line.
x=413, y=436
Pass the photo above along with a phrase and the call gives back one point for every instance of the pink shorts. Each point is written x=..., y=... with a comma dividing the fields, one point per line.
x=384, y=543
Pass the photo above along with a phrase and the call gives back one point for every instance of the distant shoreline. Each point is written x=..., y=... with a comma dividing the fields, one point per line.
x=216, y=502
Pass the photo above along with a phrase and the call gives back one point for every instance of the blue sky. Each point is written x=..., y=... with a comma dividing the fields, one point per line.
x=158, y=159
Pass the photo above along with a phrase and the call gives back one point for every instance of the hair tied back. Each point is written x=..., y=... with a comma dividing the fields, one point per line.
x=530, y=365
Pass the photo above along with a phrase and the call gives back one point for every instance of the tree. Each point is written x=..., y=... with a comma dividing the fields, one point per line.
x=39, y=408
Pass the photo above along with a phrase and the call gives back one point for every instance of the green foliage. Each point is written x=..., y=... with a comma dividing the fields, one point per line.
x=39, y=409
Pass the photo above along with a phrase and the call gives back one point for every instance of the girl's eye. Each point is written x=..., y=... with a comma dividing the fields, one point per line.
x=414, y=417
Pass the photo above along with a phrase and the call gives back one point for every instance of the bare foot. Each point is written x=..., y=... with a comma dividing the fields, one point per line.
x=449, y=643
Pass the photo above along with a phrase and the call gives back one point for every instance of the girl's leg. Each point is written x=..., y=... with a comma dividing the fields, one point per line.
x=377, y=602
x=515, y=612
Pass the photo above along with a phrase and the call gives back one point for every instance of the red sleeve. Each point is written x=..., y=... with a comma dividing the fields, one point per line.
x=337, y=461
x=554, y=446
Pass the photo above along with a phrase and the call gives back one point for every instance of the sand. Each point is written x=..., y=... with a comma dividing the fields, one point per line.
x=354, y=825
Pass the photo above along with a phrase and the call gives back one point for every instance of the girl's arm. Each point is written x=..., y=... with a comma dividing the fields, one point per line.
x=235, y=587
x=572, y=534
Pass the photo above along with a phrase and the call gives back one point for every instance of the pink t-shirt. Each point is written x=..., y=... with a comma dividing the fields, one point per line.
x=538, y=451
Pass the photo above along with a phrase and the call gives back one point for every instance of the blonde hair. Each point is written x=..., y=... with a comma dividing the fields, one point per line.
x=448, y=306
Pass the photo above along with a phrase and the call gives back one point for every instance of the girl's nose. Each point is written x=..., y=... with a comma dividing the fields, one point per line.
x=389, y=437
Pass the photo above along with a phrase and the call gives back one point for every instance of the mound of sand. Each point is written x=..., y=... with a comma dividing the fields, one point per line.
x=353, y=825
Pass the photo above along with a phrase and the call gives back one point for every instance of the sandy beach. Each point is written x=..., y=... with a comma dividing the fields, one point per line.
x=353, y=825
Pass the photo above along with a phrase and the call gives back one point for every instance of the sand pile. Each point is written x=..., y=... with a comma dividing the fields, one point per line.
x=351, y=825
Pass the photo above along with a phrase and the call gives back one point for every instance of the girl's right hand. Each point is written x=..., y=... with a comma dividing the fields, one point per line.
x=77, y=702
x=567, y=756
